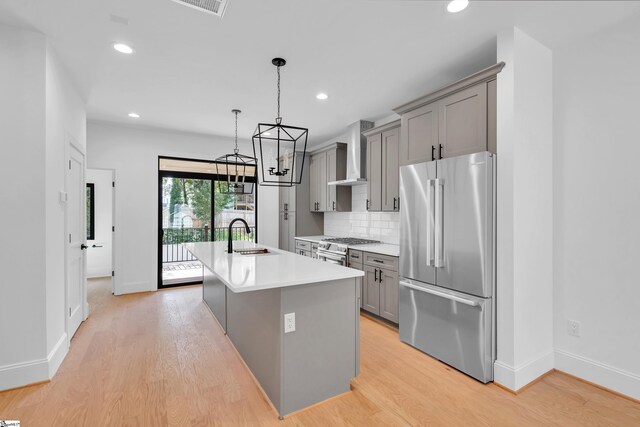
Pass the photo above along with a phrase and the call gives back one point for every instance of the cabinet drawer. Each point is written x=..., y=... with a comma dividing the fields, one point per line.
x=303, y=244
x=381, y=261
x=314, y=247
x=355, y=256
x=303, y=252
x=356, y=265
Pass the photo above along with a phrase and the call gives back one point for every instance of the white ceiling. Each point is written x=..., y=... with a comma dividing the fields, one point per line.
x=190, y=68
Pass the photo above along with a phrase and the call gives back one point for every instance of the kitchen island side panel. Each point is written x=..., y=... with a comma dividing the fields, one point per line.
x=323, y=350
x=254, y=328
x=214, y=295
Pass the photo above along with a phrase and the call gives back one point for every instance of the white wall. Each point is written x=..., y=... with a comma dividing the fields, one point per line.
x=99, y=262
x=39, y=111
x=133, y=154
x=597, y=207
x=22, y=178
x=524, y=211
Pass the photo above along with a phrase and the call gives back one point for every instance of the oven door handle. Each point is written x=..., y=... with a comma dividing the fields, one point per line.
x=322, y=254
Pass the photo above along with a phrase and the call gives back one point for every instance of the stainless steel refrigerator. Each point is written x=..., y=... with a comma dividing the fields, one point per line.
x=447, y=261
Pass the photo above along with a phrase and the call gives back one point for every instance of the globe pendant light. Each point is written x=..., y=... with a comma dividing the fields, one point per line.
x=280, y=148
x=240, y=170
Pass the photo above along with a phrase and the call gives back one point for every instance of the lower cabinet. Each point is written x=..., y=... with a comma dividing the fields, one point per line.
x=380, y=292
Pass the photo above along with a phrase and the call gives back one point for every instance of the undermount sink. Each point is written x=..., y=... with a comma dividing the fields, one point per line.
x=252, y=251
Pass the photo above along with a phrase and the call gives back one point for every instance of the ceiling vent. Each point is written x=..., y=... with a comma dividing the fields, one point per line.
x=214, y=7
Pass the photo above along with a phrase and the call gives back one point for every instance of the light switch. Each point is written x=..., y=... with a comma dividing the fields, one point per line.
x=289, y=323
x=63, y=197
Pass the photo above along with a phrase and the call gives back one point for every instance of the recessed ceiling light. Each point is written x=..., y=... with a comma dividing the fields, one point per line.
x=123, y=48
x=322, y=96
x=134, y=115
x=456, y=6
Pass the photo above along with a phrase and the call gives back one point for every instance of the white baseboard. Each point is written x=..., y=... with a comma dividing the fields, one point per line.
x=133, y=287
x=57, y=355
x=34, y=371
x=514, y=378
x=615, y=379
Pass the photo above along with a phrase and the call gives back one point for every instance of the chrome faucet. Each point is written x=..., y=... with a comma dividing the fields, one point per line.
x=229, y=241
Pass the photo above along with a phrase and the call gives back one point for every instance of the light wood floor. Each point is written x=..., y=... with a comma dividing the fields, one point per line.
x=159, y=359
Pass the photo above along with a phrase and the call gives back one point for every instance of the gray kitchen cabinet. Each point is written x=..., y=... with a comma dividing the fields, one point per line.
x=390, y=170
x=463, y=122
x=455, y=120
x=371, y=290
x=380, y=285
x=328, y=165
x=419, y=135
x=383, y=168
x=388, y=281
x=294, y=217
x=374, y=172
x=355, y=261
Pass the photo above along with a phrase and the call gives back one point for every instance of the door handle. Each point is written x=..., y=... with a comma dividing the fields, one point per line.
x=83, y=246
x=440, y=294
x=439, y=229
x=440, y=151
x=367, y=204
x=96, y=246
x=375, y=275
x=380, y=279
x=394, y=203
x=334, y=205
x=433, y=152
x=286, y=216
x=286, y=206
x=430, y=219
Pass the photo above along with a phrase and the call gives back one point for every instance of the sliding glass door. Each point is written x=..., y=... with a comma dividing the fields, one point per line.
x=193, y=209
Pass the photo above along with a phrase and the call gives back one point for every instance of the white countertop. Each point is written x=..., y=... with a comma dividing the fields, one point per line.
x=315, y=239
x=377, y=248
x=278, y=269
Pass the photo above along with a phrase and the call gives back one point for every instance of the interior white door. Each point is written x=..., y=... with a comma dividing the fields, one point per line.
x=76, y=230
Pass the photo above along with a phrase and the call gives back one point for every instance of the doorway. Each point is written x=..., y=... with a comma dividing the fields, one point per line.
x=192, y=208
x=100, y=189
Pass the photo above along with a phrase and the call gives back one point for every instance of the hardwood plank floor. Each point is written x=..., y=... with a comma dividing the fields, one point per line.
x=160, y=359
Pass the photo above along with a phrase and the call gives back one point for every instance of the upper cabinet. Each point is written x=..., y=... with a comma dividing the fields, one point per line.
x=329, y=165
x=383, y=177
x=455, y=120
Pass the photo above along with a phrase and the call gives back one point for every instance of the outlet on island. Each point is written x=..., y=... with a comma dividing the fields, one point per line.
x=289, y=323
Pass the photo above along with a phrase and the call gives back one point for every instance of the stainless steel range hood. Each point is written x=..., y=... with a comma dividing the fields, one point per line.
x=356, y=155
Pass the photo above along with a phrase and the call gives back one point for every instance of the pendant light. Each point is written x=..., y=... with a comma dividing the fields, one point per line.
x=281, y=148
x=240, y=170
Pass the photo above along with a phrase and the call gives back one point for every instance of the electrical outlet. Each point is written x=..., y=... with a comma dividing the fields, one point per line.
x=573, y=327
x=289, y=323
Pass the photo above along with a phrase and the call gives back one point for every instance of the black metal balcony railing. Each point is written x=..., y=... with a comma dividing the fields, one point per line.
x=172, y=238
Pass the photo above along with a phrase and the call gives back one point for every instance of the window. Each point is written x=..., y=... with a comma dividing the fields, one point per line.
x=91, y=212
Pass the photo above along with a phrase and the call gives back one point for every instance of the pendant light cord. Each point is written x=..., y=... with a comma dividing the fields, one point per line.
x=279, y=118
x=236, y=149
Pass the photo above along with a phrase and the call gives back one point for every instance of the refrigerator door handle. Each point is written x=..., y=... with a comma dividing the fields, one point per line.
x=439, y=229
x=440, y=294
x=430, y=248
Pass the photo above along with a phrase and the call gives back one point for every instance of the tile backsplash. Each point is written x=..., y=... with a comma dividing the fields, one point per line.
x=383, y=226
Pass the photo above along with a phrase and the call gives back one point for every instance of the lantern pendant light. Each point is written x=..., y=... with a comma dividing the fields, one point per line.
x=240, y=170
x=281, y=149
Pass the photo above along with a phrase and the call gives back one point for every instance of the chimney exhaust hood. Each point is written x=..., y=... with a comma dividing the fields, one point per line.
x=356, y=155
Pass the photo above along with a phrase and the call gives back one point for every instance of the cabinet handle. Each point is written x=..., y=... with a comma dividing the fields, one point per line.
x=286, y=216
x=367, y=204
x=433, y=151
x=398, y=208
x=286, y=206
x=378, y=261
x=394, y=203
x=375, y=275
x=440, y=152
x=380, y=280
x=334, y=205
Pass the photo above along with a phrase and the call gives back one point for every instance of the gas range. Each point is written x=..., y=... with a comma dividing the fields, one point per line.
x=335, y=249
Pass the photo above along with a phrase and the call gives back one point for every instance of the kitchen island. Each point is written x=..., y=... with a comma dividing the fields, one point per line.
x=252, y=295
